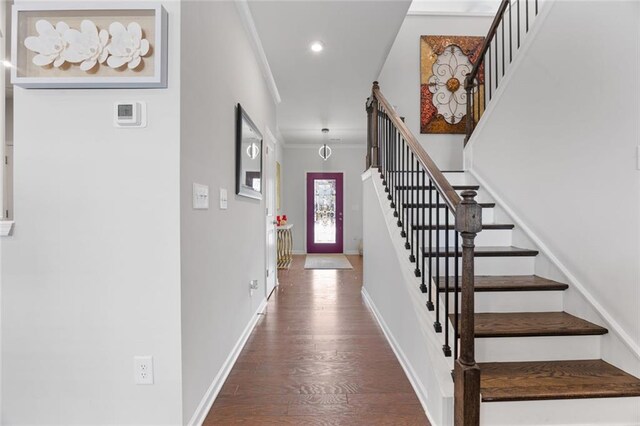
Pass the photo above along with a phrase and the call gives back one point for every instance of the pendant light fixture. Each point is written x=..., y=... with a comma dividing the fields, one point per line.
x=325, y=150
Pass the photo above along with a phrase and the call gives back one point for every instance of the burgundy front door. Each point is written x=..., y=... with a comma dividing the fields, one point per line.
x=324, y=213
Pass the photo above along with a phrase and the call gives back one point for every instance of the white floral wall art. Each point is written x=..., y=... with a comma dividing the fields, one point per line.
x=127, y=45
x=49, y=45
x=112, y=44
x=87, y=46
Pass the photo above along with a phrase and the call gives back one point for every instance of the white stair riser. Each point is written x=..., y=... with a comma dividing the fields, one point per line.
x=486, y=238
x=520, y=349
x=405, y=196
x=513, y=301
x=416, y=215
x=582, y=412
x=493, y=265
x=544, y=348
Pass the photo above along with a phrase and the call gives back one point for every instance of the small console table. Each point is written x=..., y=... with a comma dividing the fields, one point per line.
x=285, y=245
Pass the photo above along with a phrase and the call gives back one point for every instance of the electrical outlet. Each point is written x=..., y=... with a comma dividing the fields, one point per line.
x=143, y=371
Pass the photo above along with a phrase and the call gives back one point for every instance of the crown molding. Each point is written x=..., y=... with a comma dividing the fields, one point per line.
x=250, y=27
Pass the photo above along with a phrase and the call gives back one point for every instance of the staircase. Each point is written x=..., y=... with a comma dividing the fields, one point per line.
x=526, y=347
x=518, y=357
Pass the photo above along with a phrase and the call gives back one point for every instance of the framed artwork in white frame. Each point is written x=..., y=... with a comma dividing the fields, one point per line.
x=70, y=44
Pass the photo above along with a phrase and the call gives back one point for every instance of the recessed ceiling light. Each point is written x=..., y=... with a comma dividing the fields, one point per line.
x=317, y=46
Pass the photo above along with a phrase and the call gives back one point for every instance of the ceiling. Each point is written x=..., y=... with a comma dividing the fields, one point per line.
x=455, y=7
x=326, y=89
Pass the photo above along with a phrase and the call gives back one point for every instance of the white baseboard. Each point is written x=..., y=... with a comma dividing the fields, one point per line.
x=416, y=383
x=5, y=228
x=207, y=401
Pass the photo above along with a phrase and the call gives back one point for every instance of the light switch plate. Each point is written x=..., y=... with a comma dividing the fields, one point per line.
x=200, y=196
x=223, y=199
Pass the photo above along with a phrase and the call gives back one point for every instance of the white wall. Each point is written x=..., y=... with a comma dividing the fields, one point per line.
x=90, y=277
x=302, y=159
x=560, y=149
x=400, y=78
x=222, y=250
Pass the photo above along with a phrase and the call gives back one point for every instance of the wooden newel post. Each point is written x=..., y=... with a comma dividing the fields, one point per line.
x=374, y=127
x=466, y=371
x=468, y=85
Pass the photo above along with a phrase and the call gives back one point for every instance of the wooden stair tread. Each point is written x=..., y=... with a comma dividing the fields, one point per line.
x=521, y=381
x=509, y=283
x=442, y=205
x=456, y=187
x=451, y=226
x=488, y=251
x=531, y=324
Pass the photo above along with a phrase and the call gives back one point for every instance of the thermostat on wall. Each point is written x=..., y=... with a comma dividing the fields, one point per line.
x=130, y=114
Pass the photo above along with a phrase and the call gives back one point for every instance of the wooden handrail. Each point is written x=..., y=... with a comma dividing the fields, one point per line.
x=450, y=196
x=487, y=42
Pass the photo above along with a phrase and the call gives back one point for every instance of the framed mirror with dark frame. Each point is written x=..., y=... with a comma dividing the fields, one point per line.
x=248, y=156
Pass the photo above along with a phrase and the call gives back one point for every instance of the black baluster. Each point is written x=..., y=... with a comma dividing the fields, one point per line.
x=401, y=183
x=518, y=9
x=390, y=151
x=423, y=223
x=489, y=69
x=403, y=171
x=385, y=131
x=536, y=7
x=497, y=68
x=406, y=228
x=430, y=252
x=526, y=10
x=510, y=35
x=411, y=211
x=503, y=55
x=437, y=325
x=415, y=234
x=446, y=348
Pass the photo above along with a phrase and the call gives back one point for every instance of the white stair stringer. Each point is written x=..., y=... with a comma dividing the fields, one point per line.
x=401, y=309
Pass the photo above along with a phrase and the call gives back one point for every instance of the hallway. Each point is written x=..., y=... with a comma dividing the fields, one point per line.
x=317, y=357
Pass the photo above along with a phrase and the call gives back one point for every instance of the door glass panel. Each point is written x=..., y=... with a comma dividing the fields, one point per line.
x=325, y=211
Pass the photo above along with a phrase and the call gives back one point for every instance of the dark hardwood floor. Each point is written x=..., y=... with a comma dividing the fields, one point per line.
x=317, y=358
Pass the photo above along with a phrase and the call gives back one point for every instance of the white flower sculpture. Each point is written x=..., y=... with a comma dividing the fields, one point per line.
x=127, y=45
x=49, y=45
x=447, y=84
x=87, y=46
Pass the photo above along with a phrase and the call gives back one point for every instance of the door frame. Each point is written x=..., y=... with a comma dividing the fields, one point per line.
x=272, y=142
x=306, y=209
